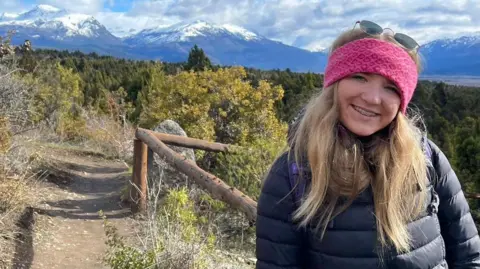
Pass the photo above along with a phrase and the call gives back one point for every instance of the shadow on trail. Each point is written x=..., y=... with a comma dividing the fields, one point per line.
x=100, y=185
x=87, y=209
x=89, y=179
x=24, y=241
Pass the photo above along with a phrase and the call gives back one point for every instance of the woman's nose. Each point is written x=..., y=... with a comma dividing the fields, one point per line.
x=372, y=93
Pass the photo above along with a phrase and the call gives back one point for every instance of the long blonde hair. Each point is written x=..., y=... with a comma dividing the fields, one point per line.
x=340, y=165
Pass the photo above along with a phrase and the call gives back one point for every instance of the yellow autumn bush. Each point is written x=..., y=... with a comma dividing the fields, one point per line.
x=58, y=100
x=219, y=105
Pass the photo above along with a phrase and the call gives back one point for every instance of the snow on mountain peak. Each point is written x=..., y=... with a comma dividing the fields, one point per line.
x=193, y=29
x=200, y=27
x=468, y=40
x=248, y=35
x=184, y=31
x=47, y=8
x=43, y=12
x=80, y=24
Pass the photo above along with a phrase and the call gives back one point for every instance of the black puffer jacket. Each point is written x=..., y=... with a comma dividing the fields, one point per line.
x=444, y=236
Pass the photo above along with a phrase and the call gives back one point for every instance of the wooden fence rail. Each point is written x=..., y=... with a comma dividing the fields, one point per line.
x=192, y=143
x=215, y=186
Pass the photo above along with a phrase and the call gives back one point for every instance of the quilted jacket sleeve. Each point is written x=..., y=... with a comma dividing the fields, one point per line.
x=458, y=228
x=278, y=243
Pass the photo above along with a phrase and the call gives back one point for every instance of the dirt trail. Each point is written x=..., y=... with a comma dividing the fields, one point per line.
x=68, y=232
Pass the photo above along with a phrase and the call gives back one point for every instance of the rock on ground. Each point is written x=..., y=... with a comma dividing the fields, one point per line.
x=158, y=168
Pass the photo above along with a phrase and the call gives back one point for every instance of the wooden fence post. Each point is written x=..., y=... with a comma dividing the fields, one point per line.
x=139, y=176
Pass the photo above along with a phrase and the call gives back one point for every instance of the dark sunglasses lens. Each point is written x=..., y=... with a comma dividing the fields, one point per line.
x=371, y=27
x=406, y=41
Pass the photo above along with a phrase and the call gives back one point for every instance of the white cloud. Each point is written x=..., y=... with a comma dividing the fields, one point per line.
x=422, y=20
x=81, y=6
x=122, y=24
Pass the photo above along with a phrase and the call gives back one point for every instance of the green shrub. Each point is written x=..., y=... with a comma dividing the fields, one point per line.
x=246, y=168
x=212, y=204
x=120, y=256
x=180, y=209
x=71, y=126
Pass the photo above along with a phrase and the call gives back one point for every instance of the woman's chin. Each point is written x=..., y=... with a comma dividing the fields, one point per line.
x=360, y=129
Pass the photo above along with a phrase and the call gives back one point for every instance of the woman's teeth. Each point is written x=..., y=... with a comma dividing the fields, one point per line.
x=364, y=112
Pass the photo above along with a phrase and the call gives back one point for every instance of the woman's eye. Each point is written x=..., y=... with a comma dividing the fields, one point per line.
x=359, y=77
x=391, y=88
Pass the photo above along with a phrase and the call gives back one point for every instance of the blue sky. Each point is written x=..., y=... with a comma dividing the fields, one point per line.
x=115, y=6
x=310, y=24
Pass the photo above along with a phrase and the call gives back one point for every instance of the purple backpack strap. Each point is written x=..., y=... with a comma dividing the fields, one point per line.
x=293, y=173
x=429, y=153
x=434, y=203
x=428, y=150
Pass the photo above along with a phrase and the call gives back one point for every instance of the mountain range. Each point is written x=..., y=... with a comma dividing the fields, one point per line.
x=50, y=27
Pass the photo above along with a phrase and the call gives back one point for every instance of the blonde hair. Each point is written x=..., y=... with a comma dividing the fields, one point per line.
x=340, y=165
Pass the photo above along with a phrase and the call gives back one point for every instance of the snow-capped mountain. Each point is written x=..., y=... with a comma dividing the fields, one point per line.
x=453, y=56
x=184, y=32
x=48, y=26
x=453, y=43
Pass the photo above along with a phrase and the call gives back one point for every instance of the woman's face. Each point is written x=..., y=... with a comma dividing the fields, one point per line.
x=367, y=103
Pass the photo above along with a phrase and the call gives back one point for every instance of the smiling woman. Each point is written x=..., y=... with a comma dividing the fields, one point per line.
x=361, y=185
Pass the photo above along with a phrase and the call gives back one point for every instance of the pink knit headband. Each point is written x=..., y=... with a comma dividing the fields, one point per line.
x=370, y=55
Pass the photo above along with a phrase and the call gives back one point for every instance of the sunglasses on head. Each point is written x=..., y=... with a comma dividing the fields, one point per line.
x=372, y=28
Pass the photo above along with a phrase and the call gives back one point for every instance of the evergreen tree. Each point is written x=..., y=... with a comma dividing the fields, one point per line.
x=197, y=60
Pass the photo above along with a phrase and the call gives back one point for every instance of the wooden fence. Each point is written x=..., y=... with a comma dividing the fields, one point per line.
x=215, y=186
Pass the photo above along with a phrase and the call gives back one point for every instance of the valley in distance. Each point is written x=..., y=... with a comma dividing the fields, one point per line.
x=471, y=81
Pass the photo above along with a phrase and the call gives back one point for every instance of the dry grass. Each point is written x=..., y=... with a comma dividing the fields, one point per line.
x=14, y=98
x=109, y=136
x=18, y=181
x=103, y=137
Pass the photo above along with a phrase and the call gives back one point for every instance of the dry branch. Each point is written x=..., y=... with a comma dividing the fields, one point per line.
x=215, y=186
